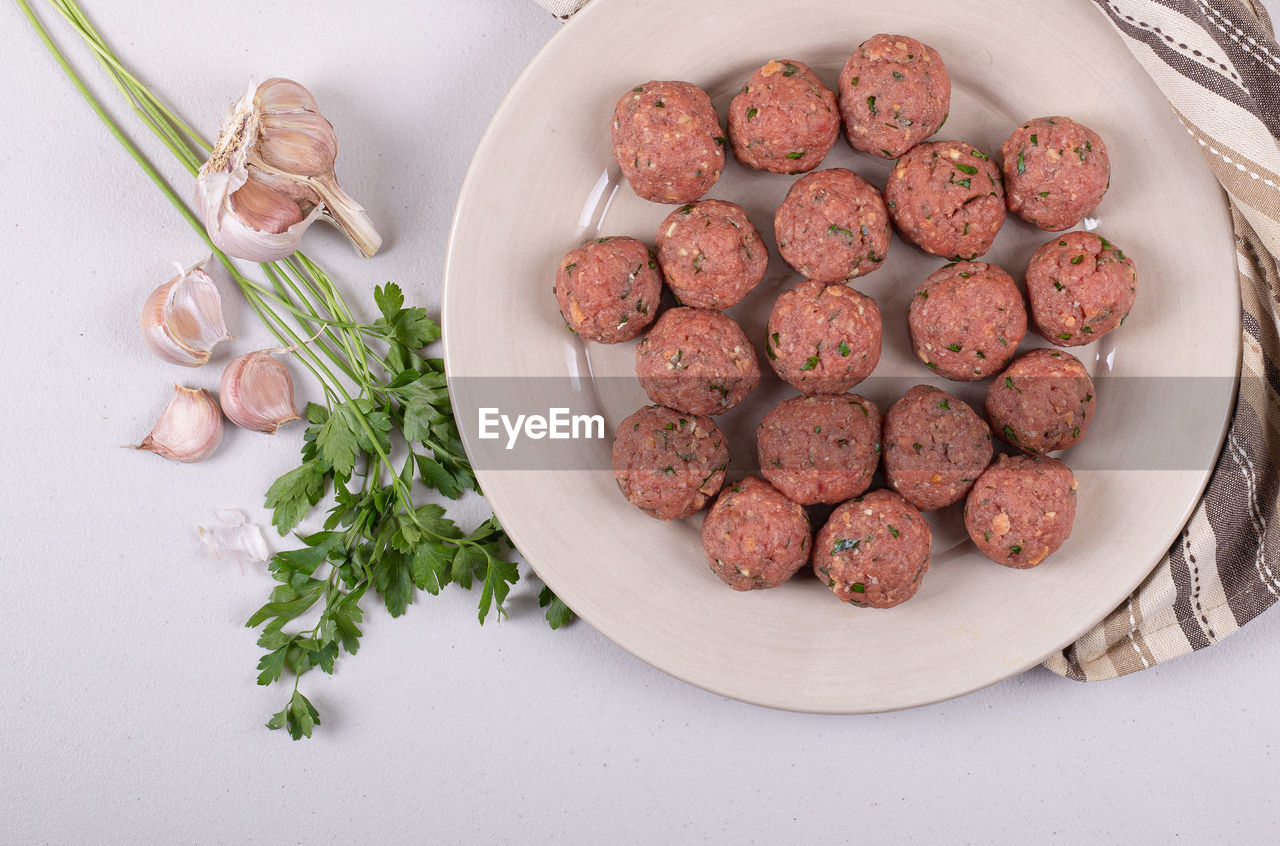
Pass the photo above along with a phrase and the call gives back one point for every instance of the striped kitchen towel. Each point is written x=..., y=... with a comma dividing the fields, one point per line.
x=1218, y=64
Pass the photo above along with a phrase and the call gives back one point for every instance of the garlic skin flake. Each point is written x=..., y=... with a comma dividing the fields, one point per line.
x=189, y=428
x=182, y=319
x=235, y=538
x=271, y=175
x=257, y=392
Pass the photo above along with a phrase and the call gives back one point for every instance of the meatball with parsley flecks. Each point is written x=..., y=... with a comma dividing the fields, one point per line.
x=1021, y=510
x=1081, y=286
x=784, y=120
x=966, y=320
x=668, y=141
x=1044, y=401
x=1055, y=172
x=823, y=338
x=946, y=197
x=668, y=463
x=711, y=254
x=873, y=551
x=935, y=446
x=697, y=361
x=608, y=289
x=894, y=93
x=754, y=537
x=832, y=226
x=821, y=449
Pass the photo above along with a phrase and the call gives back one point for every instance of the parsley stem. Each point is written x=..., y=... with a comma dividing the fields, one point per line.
x=359, y=372
x=91, y=36
x=310, y=321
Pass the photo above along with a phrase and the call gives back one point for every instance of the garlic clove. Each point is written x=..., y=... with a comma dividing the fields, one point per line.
x=271, y=210
x=189, y=428
x=300, y=143
x=182, y=319
x=257, y=392
x=279, y=95
x=271, y=175
x=239, y=235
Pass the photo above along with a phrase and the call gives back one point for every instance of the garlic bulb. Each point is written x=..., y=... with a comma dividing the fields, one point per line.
x=189, y=428
x=182, y=319
x=257, y=392
x=271, y=175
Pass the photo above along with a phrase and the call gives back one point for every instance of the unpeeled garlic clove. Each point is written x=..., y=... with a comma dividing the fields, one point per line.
x=182, y=319
x=271, y=174
x=257, y=392
x=189, y=428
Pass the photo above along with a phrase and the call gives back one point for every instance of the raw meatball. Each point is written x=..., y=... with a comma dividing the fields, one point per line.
x=608, y=289
x=1055, y=172
x=1021, y=510
x=755, y=537
x=1080, y=287
x=1044, y=401
x=894, y=93
x=823, y=338
x=784, y=120
x=820, y=449
x=947, y=199
x=696, y=361
x=935, y=446
x=669, y=464
x=710, y=254
x=966, y=320
x=668, y=141
x=832, y=226
x=873, y=551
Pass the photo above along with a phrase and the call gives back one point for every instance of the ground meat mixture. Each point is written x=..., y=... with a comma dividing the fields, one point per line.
x=608, y=289
x=696, y=361
x=784, y=120
x=668, y=464
x=821, y=449
x=833, y=225
x=754, y=537
x=1081, y=287
x=1020, y=511
x=668, y=141
x=935, y=447
x=873, y=551
x=1043, y=402
x=1055, y=172
x=966, y=320
x=946, y=197
x=894, y=93
x=823, y=338
x=711, y=254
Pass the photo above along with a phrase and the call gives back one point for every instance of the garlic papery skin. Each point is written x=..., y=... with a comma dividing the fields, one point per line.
x=271, y=174
x=182, y=319
x=257, y=392
x=189, y=428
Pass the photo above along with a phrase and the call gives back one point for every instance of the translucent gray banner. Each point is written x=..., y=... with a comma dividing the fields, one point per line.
x=562, y=423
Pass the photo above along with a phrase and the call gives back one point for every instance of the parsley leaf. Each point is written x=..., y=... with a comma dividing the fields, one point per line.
x=558, y=614
x=294, y=494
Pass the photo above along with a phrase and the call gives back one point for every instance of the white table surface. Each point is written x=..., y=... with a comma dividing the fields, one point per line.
x=128, y=709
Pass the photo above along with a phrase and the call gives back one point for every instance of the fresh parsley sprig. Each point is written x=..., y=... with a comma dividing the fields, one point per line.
x=382, y=398
x=375, y=536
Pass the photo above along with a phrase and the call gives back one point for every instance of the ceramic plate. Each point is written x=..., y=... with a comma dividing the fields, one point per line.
x=543, y=180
